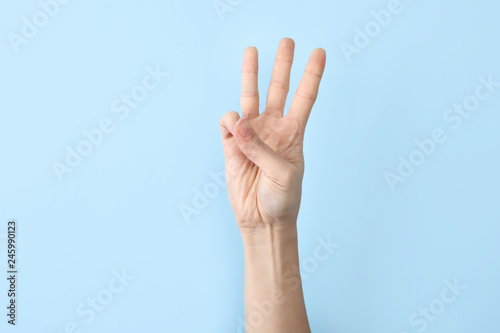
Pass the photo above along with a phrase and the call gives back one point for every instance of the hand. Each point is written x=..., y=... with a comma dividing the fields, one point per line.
x=263, y=153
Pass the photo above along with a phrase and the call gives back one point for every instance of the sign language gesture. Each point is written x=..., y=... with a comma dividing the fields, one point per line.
x=263, y=151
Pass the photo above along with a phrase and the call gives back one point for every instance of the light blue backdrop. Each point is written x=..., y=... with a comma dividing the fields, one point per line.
x=132, y=206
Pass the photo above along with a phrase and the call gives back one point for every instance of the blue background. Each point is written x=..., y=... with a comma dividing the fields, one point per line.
x=121, y=207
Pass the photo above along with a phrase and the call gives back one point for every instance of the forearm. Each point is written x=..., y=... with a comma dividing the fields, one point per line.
x=273, y=290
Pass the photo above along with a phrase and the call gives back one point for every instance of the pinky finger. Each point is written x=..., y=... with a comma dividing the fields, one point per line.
x=227, y=123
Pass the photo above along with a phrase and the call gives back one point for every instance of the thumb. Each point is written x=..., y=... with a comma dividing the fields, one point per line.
x=271, y=163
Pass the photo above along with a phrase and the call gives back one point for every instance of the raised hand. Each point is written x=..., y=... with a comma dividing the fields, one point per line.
x=264, y=152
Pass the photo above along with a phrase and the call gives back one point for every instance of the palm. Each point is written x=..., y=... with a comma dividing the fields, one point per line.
x=281, y=134
x=264, y=174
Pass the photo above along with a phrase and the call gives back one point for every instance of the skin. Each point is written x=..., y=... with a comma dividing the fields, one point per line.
x=264, y=165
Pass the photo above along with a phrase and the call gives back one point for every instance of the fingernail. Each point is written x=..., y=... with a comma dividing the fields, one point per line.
x=244, y=128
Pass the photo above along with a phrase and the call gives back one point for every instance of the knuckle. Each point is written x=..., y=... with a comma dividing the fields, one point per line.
x=221, y=122
x=249, y=94
x=227, y=116
x=257, y=146
x=279, y=84
x=306, y=95
x=314, y=73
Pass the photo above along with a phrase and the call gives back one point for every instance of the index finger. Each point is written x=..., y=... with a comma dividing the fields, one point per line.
x=249, y=83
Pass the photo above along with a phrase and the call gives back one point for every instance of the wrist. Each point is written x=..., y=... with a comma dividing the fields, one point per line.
x=272, y=253
x=269, y=235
